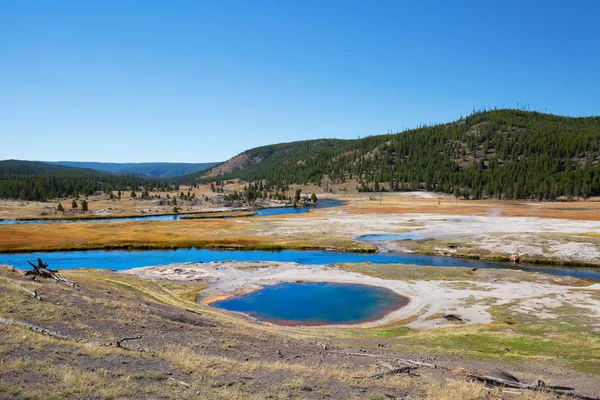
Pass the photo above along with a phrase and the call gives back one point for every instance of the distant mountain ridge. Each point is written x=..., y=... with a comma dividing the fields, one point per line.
x=35, y=180
x=152, y=169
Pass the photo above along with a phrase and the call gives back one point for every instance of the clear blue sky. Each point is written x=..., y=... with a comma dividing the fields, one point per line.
x=197, y=81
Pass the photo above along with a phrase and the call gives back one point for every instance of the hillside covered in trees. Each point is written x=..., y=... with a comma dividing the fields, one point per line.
x=506, y=154
x=31, y=180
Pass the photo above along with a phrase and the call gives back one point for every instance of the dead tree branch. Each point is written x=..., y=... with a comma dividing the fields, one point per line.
x=119, y=341
x=180, y=382
x=33, y=294
x=39, y=329
x=510, y=381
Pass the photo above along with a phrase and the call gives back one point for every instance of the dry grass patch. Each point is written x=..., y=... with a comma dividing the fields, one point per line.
x=208, y=233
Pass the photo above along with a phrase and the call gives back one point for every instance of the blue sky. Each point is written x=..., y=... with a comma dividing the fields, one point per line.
x=196, y=81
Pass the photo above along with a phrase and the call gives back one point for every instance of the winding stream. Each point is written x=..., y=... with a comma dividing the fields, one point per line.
x=123, y=259
x=262, y=212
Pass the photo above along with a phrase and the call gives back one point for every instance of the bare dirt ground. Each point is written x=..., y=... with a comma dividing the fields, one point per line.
x=189, y=350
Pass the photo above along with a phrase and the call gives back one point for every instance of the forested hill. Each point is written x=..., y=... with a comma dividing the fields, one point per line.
x=279, y=162
x=31, y=180
x=153, y=169
x=510, y=154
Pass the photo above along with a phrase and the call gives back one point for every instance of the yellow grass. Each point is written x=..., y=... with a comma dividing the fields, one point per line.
x=153, y=234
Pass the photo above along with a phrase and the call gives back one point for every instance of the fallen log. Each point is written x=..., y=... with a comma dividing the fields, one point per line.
x=42, y=330
x=420, y=364
x=537, y=385
x=511, y=381
x=394, y=371
x=508, y=376
x=406, y=361
x=57, y=335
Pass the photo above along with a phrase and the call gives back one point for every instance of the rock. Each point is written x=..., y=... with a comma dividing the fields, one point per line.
x=453, y=317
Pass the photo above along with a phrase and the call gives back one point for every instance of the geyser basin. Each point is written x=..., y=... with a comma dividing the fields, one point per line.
x=315, y=303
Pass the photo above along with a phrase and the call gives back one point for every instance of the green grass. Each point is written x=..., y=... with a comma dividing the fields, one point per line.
x=514, y=338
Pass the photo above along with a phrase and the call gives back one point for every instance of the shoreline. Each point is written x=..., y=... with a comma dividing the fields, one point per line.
x=210, y=246
x=526, y=261
x=427, y=298
x=303, y=273
x=214, y=299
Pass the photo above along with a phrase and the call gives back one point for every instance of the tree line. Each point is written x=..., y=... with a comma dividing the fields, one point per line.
x=28, y=180
x=504, y=154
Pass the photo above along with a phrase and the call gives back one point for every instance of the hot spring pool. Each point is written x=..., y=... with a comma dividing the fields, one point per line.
x=315, y=303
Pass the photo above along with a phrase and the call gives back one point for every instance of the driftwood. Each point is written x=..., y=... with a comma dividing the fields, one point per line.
x=42, y=270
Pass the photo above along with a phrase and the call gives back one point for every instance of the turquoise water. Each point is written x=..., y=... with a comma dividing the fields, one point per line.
x=122, y=259
x=265, y=212
x=315, y=303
